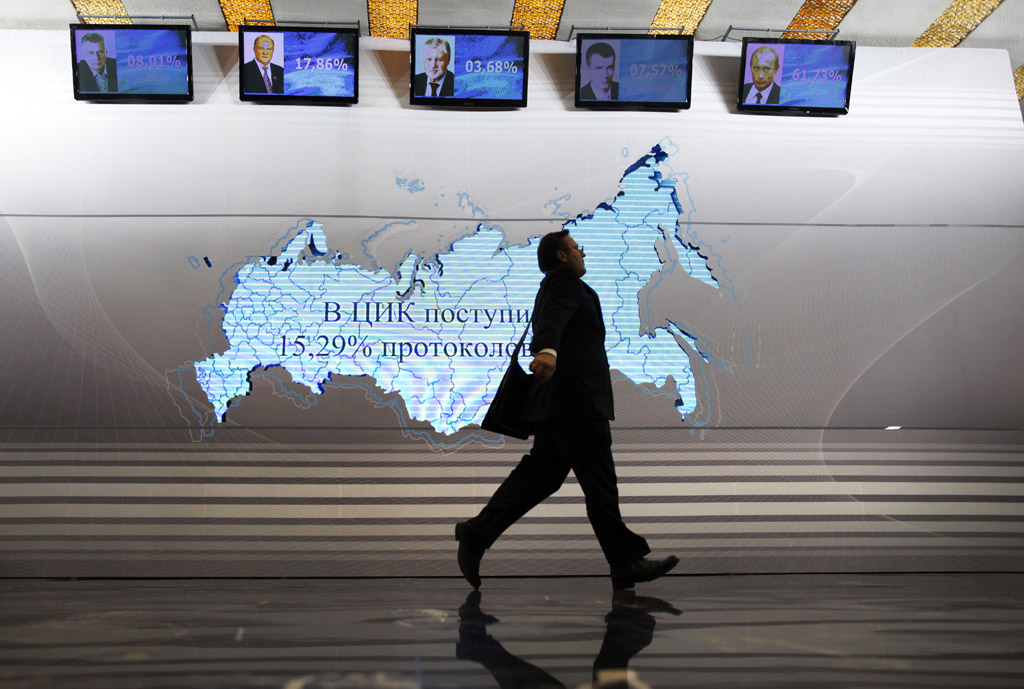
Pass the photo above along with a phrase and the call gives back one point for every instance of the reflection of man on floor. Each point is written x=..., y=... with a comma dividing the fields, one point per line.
x=96, y=71
x=629, y=628
x=764, y=63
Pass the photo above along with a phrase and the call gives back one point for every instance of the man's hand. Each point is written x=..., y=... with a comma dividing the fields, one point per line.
x=543, y=366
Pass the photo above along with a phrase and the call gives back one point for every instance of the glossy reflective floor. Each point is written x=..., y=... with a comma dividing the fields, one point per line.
x=742, y=631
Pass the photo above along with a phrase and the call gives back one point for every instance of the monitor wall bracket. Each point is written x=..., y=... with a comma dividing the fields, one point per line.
x=831, y=33
x=195, y=24
x=623, y=29
x=299, y=22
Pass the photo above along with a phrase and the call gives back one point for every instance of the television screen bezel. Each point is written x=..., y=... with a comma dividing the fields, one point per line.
x=795, y=109
x=294, y=99
x=633, y=105
x=127, y=97
x=461, y=102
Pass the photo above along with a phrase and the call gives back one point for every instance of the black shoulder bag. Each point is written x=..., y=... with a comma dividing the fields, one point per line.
x=508, y=408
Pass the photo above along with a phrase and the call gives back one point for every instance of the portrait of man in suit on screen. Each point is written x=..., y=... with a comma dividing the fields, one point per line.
x=260, y=74
x=762, y=89
x=435, y=81
x=599, y=65
x=96, y=71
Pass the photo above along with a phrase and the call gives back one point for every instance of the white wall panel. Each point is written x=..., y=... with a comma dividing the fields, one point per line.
x=871, y=273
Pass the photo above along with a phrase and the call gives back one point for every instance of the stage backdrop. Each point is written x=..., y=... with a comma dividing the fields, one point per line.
x=248, y=340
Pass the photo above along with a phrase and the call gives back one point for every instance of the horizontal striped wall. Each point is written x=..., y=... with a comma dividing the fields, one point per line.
x=739, y=506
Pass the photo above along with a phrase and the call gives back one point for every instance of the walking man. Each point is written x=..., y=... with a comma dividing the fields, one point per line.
x=572, y=429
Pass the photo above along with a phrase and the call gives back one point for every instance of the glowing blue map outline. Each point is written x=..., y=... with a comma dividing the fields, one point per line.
x=437, y=332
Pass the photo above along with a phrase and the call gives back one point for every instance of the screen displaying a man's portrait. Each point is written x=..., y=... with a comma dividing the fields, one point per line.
x=127, y=62
x=299, y=65
x=96, y=56
x=458, y=67
x=789, y=75
x=263, y=63
x=600, y=70
x=617, y=71
x=762, y=74
x=434, y=67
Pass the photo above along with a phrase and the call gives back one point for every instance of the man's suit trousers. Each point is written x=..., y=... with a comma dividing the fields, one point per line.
x=561, y=445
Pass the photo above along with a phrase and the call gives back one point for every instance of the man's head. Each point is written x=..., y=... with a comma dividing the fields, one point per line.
x=557, y=249
x=263, y=49
x=436, y=54
x=94, y=51
x=601, y=65
x=764, y=63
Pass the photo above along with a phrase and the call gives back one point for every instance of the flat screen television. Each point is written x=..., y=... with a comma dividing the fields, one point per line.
x=112, y=62
x=468, y=67
x=298, y=65
x=796, y=76
x=631, y=71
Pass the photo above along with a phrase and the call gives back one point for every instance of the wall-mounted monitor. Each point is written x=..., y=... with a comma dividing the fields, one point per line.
x=796, y=76
x=298, y=64
x=112, y=62
x=468, y=67
x=631, y=71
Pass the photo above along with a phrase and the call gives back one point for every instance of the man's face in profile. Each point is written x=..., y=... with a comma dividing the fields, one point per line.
x=263, y=50
x=95, y=55
x=435, y=62
x=763, y=66
x=572, y=255
x=602, y=69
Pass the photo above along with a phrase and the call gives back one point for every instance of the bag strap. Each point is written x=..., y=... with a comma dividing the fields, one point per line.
x=519, y=346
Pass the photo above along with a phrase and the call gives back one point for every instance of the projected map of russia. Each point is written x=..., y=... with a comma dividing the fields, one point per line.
x=438, y=332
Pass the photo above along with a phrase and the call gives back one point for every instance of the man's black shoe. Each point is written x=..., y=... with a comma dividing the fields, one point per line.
x=627, y=576
x=470, y=553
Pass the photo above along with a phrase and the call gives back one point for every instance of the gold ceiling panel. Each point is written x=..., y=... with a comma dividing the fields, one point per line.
x=685, y=13
x=391, y=18
x=818, y=15
x=1018, y=79
x=238, y=11
x=955, y=22
x=102, y=7
x=539, y=17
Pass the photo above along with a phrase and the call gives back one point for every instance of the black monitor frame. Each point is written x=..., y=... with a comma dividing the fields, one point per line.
x=632, y=105
x=248, y=32
x=461, y=102
x=118, y=96
x=778, y=109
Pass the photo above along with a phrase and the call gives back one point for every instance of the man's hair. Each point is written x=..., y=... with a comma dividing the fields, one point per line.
x=766, y=49
x=440, y=44
x=602, y=49
x=547, y=250
x=260, y=38
x=93, y=37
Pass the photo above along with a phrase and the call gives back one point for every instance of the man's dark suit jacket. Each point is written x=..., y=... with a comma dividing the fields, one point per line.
x=252, y=78
x=587, y=92
x=447, y=90
x=87, y=82
x=567, y=318
x=773, y=93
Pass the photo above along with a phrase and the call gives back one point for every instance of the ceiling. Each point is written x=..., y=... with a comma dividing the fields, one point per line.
x=869, y=22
